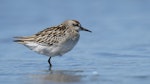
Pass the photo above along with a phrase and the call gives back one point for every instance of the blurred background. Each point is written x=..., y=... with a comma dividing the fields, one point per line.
x=116, y=52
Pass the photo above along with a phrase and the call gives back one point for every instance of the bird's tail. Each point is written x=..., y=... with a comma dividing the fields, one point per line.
x=23, y=40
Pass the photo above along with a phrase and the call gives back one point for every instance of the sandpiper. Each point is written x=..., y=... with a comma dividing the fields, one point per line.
x=54, y=41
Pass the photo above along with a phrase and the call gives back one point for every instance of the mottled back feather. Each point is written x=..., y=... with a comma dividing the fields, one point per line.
x=49, y=36
x=52, y=35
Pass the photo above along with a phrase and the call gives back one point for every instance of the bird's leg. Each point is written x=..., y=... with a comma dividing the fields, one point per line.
x=49, y=61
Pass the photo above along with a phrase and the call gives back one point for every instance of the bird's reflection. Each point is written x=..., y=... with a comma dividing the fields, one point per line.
x=57, y=76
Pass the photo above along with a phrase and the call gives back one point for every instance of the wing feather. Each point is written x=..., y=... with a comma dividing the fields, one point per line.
x=49, y=36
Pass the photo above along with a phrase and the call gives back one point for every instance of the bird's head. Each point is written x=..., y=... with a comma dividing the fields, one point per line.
x=75, y=24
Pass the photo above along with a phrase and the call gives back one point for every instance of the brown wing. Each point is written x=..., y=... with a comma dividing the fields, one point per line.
x=51, y=36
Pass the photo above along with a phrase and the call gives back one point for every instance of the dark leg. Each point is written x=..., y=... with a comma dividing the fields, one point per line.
x=49, y=61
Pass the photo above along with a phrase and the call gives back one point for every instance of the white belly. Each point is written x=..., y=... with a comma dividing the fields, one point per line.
x=54, y=50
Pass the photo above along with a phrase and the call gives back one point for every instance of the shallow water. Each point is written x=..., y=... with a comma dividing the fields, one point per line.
x=116, y=52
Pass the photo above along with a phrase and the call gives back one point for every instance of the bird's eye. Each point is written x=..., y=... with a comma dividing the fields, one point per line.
x=75, y=25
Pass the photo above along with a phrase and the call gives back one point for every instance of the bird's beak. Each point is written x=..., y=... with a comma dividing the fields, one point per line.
x=84, y=29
